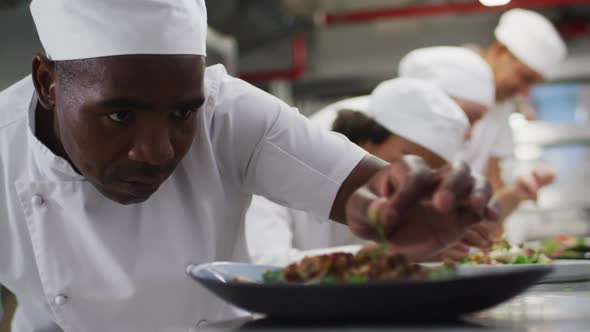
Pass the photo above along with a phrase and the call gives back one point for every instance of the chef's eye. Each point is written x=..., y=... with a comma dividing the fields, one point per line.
x=183, y=114
x=120, y=116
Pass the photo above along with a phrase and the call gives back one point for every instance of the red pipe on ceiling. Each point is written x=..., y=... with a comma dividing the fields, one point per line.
x=439, y=9
x=299, y=49
x=574, y=29
x=299, y=54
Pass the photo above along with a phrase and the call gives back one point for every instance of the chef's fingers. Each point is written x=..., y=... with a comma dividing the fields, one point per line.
x=455, y=187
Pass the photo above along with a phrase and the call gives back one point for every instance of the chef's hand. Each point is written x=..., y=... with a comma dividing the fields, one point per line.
x=479, y=236
x=456, y=253
x=526, y=187
x=418, y=210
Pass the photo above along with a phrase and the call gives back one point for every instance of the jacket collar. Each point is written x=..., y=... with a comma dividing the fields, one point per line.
x=49, y=165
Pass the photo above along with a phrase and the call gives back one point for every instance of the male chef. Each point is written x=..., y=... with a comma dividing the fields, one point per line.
x=526, y=49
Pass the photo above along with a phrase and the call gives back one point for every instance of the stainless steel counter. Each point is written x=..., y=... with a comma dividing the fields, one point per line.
x=543, y=308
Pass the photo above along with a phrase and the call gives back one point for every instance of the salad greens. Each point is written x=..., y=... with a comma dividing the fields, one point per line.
x=564, y=246
x=504, y=253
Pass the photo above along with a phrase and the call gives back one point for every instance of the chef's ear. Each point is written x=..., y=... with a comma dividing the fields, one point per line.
x=44, y=78
x=500, y=50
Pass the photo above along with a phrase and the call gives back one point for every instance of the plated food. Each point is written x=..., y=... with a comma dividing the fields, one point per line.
x=565, y=246
x=374, y=262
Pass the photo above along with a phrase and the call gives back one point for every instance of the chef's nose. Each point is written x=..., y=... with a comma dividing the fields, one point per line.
x=153, y=147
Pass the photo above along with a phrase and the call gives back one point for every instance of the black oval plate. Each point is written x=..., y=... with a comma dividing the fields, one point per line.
x=403, y=300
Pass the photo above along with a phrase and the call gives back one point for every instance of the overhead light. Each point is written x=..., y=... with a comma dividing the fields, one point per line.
x=492, y=3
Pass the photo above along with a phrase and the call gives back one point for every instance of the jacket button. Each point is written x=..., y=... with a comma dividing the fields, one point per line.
x=60, y=300
x=37, y=200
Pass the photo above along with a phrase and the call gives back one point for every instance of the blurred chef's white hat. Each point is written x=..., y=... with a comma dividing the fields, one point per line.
x=81, y=29
x=458, y=71
x=419, y=112
x=532, y=39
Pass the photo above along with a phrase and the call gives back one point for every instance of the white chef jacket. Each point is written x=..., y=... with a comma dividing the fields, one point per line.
x=278, y=235
x=80, y=262
x=491, y=137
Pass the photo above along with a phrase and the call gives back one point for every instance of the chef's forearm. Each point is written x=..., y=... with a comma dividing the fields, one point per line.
x=505, y=195
x=494, y=174
x=507, y=200
x=360, y=175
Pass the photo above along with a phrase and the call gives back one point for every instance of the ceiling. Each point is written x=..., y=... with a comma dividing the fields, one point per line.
x=259, y=25
x=255, y=23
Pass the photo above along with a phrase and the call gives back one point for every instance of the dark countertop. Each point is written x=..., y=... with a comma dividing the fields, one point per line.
x=543, y=308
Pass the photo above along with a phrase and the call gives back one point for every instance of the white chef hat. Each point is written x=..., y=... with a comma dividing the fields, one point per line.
x=532, y=39
x=420, y=112
x=458, y=71
x=81, y=29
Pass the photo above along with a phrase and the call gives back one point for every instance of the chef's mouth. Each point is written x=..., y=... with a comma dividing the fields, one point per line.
x=141, y=187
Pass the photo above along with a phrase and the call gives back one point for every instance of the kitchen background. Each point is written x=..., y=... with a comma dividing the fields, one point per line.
x=313, y=52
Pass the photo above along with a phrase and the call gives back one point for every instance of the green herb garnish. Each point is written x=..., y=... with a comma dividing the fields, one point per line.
x=357, y=279
x=381, y=231
x=550, y=246
x=374, y=215
x=501, y=245
x=520, y=259
x=467, y=260
x=329, y=279
x=273, y=276
x=442, y=273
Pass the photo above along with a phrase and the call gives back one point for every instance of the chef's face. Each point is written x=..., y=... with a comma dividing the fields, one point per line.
x=512, y=76
x=395, y=148
x=125, y=122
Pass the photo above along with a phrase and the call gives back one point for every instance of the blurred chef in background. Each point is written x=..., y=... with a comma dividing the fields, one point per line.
x=402, y=116
x=459, y=72
x=526, y=49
